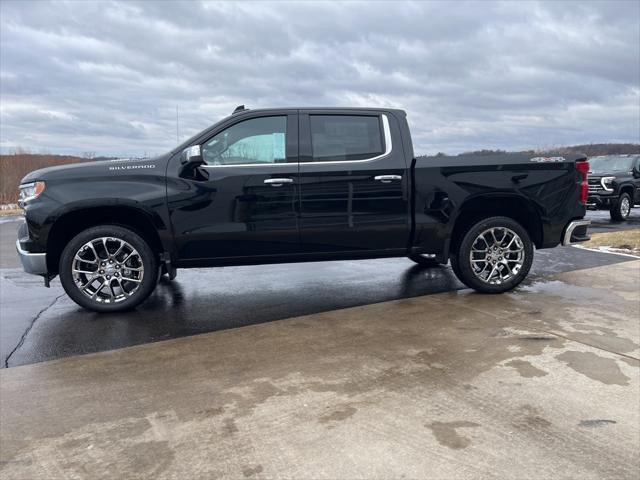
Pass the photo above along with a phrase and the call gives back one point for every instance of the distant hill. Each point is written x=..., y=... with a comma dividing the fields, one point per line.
x=590, y=150
x=14, y=167
x=595, y=149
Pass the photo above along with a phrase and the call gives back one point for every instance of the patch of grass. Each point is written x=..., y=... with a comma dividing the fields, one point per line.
x=12, y=211
x=628, y=240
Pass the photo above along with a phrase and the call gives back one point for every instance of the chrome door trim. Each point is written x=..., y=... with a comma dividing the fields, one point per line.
x=277, y=182
x=388, y=178
x=282, y=164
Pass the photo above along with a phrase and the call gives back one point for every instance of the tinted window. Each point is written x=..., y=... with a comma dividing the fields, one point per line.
x=253, y=141
x=345, y=137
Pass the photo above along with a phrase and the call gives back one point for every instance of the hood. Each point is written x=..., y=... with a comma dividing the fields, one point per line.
x=605, y=174
x=98, y=168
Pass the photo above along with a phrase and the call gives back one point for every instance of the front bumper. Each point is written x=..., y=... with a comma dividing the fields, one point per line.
x=596, y=201
x=576, y=232
x=35, y=263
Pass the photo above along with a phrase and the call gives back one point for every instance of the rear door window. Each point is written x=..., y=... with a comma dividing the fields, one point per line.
x=336, y=138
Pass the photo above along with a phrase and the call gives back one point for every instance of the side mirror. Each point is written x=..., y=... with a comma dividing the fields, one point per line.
x=192, y=155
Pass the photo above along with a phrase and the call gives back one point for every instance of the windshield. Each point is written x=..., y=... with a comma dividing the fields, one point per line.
x=611, y=163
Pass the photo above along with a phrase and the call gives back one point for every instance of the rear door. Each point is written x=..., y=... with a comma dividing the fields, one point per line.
x=354, y=190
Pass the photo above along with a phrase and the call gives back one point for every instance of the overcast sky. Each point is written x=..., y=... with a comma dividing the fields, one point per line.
x=106, y=77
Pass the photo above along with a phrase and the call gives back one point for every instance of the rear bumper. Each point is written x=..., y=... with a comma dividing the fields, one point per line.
x=576, y=232
x=35, y=263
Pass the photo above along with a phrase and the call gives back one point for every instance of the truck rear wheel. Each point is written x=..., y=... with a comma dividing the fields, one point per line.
x=494, y=255
x=620, y=210
x=108, y=268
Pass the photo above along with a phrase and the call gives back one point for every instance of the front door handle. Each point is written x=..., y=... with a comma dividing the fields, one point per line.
x=277, y=182
x=388, y=178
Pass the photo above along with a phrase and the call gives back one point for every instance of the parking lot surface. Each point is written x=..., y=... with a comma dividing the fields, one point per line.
x=539, y=383
x=601, y=221
x=39, y=324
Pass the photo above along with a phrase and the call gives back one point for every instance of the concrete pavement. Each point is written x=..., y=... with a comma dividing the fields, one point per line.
x=540, y=383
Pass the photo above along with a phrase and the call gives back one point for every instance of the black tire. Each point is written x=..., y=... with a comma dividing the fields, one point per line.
x=424, y=261
x=461, y=258
x=620, y=209
x=138, y=291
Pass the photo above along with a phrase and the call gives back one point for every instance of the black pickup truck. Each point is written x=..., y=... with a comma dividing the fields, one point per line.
x=614, y=184
x=295, y=185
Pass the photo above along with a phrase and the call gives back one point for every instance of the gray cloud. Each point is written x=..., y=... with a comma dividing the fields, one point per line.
x=106, y=77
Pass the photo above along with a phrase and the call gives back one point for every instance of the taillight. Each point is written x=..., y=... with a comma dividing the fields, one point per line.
x=583, y=167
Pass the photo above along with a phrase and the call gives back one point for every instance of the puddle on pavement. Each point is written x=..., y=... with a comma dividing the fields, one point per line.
x=602, y=369
x=596, y=423
x=446, y=433
x=587, y=315
x=559, y=288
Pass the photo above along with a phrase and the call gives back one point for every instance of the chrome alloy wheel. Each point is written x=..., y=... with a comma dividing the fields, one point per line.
x=625, y=206
x=107, y=270
x=497, y=255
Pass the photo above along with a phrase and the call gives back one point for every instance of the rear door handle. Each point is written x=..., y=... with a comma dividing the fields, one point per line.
x=277, y=182
x=388, y=178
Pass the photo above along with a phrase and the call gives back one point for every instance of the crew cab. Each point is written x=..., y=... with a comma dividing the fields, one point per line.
x=614, y=184
x=295, y=185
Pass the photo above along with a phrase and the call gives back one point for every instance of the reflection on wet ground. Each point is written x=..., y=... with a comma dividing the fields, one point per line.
x=204, y=300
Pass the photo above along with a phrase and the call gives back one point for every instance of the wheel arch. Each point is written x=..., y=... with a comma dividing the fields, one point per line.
x=70, y=223
x=515, y=207
x=629, y=190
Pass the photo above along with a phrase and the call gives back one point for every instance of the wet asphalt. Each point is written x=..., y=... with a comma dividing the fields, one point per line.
x=601, y=221
x=38, y=324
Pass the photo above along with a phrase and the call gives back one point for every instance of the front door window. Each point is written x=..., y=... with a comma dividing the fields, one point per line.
x=256, y=141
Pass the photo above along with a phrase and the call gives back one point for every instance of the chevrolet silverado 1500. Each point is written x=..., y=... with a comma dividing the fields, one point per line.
x=295, y=185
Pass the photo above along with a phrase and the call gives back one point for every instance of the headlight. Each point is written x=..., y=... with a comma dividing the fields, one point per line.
x=607, y=183
x=30, y=191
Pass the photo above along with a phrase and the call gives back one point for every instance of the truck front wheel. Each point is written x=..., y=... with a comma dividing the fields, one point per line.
x=493, y=256
x=620, y=209
x=108, y=268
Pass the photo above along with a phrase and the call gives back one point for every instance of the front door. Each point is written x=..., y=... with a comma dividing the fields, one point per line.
x=243, y=201
x=353, y=183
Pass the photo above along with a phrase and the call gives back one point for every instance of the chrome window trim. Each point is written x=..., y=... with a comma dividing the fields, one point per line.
x=388, y=147
x=240, y=165
x=387, y=144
